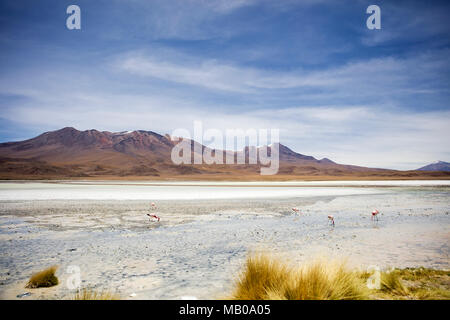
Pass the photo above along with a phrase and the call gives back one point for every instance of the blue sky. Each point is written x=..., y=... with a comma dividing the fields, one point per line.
x=335, y=89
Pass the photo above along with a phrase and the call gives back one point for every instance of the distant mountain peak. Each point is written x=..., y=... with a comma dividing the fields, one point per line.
x=326, y=160
x=436, y=166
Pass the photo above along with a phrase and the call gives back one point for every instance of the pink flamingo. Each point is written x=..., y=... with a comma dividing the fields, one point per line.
x=153, y=216
x=296, y=210
x=331, y=219
x=153, y=206
x=375, y=214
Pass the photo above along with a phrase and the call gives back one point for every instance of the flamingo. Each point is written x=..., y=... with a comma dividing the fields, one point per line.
x=153, y=206
x=296, y=210
x=374, y=214
x=331, y=219
x=153, y=216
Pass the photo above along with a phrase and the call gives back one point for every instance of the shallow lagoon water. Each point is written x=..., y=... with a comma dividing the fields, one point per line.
x=122, y=191
x=206, y=231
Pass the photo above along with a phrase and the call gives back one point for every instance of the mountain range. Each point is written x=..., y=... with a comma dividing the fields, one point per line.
x=140, y=154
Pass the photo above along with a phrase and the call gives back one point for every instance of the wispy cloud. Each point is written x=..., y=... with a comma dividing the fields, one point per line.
x=422, y=74
x=400, y=19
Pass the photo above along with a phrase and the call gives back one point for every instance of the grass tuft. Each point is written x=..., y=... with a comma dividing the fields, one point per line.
x=44, y=278
x=90, y=294
x=392, y=283
x=265, y=278
x=416, y=283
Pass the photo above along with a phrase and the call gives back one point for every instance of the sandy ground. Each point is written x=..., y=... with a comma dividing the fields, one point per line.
x=199, y=245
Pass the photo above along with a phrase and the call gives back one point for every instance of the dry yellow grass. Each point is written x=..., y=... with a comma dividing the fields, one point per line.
x=392, y=284
x=414, y=284
x=90, y=294
x=44, y=278
x=265, y=278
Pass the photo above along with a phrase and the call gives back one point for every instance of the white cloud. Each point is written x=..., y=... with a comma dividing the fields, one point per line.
x=365, y=78
x=176, y=19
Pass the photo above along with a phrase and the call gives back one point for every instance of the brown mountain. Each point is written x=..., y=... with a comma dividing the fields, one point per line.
x=70, y=153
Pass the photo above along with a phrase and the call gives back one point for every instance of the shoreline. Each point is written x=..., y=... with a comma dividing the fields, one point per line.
x=243, y=183
x=406, y=176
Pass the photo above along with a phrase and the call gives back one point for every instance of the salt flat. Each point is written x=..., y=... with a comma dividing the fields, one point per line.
x=207, y=230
